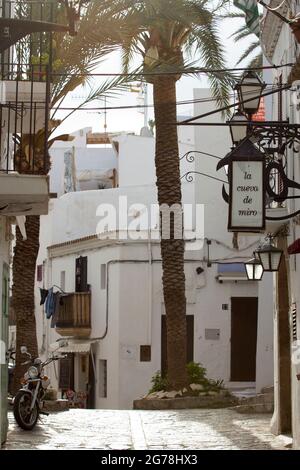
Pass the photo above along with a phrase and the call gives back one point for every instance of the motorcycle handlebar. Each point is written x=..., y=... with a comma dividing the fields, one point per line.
x=25, y=363
x=53, y=358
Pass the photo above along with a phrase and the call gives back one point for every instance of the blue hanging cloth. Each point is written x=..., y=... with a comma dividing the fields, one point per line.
x=50, y=304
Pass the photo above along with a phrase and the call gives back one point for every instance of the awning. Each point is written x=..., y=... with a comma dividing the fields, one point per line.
x=82, y=347
x=294, y=248
x=231, y=272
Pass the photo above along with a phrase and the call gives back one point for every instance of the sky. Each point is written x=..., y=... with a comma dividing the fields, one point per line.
x=132, y=120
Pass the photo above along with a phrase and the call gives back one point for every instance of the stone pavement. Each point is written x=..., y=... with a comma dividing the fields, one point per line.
x=147, y=430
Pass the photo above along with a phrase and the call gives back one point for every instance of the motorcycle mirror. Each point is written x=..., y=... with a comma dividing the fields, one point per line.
x=23, y=349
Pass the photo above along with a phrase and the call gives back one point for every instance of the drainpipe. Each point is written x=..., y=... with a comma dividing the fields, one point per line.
x=150, y=290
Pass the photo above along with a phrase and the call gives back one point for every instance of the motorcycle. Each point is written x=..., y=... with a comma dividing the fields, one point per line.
x=28, y=402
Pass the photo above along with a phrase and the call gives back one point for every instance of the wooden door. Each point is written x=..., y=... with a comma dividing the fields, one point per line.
x=66, y=373
x=189, y=345
x=243, y=338
x=91, y=384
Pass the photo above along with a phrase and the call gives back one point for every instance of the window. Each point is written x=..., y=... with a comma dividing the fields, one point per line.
x=63, y=280
x=103, y=378
x=145, y=353
x=39, y=273
x=103, y=276
x=81, y=274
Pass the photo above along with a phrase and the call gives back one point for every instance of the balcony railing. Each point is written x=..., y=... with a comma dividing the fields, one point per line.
x=24, y=120
x=74, y=315
x=37, y=47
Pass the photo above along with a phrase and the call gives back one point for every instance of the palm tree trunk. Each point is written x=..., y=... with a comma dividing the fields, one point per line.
x=172, y=249
x=24, y=264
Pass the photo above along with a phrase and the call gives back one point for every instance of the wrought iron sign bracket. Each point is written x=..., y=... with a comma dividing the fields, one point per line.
x=12, y=30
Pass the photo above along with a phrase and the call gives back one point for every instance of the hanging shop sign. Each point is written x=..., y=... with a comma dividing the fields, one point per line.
x=247, y=191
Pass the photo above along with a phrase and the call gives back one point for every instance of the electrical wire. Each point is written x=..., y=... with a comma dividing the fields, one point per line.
x=192, y=71
x=109, y=108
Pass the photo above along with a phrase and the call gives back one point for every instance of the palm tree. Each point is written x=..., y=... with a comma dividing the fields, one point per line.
x=161, y=32
x=254, y=48
x=72, y=63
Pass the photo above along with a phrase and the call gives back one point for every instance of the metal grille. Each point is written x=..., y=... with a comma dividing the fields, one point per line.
x=35, y=48
x=24, y=116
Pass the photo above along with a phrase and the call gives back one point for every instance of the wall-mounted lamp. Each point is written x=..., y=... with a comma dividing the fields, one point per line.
x=238, y=125
x=254, y=269
x=250, y=86
x=269, y=256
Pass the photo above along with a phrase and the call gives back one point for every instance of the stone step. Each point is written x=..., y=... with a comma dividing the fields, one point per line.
x=254, y=408
x=263, y=398
x=267, y=390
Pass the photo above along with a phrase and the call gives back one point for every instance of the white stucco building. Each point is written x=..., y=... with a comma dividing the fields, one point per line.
x=280, y=47
x=118, y=330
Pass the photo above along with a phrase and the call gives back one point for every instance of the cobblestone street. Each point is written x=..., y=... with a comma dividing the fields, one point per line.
x=121, y=430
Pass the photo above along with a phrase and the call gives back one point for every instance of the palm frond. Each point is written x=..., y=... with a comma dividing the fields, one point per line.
x=251, y=48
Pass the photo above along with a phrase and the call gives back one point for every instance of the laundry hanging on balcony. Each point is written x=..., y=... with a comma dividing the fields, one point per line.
x=52, y=301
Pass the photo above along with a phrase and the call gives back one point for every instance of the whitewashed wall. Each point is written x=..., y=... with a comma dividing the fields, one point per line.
x=287, y=51
x=134, y=318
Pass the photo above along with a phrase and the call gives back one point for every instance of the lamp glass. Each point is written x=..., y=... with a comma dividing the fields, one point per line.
x=254, y=270
x=251, y=86
x=238, y=131
x=270, y=258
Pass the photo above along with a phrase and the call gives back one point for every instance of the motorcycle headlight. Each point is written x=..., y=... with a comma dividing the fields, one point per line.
x=33, y=372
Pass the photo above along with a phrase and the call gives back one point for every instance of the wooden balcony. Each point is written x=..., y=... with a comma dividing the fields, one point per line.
x=74, y=316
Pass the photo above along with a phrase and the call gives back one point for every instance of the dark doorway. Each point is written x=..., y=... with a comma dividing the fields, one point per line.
x=189, y=345
x=66, y=373
x=243, y=338
x=91, y=385
x=81, y=284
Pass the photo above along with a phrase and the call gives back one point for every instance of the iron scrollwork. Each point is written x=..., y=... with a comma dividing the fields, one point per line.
x=274, y=140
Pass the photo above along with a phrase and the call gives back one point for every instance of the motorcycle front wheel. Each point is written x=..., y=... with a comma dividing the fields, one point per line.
x=25, y=417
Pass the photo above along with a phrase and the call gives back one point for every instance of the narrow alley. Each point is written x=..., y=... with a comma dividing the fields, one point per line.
x=148, y=430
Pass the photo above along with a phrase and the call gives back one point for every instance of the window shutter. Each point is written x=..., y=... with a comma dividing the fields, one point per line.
x=294, y=322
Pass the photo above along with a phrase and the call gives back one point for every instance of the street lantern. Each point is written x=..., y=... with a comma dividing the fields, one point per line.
x=238, y=125
x=250, y=86
x=269, y=256
x=254, y=269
